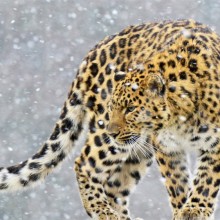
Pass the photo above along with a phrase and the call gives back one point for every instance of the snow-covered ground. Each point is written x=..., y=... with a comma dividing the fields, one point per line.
x=41, y=45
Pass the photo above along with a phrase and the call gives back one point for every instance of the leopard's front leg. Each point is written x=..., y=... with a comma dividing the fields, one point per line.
x=175, y=172
x=119, y=186
x=94, y=168
x=201, y=202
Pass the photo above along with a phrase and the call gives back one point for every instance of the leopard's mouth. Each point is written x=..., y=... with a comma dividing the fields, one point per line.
x=128, y=140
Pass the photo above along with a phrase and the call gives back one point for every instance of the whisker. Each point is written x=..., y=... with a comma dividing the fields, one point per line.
x=137, y=146
x=144, y=150
x=153, y=148
x=135, y=152
x=130, y=151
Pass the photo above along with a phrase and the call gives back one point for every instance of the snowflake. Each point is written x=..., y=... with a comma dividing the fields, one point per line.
x=140, y=66
x=186, y=33
x=127, y=84
x=100, y=122
x=112, y=66
x=182, y=118
x=134, y=86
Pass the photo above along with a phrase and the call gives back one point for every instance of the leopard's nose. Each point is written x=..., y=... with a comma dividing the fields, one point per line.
x=113, y=130
x=113, y=134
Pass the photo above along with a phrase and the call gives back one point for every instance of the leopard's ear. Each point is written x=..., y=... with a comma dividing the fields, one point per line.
x=155, y=84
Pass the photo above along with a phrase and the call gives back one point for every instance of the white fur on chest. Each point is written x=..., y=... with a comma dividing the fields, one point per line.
x=173, y=139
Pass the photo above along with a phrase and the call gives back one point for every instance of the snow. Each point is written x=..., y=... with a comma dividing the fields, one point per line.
x=10, y=149
x=179, y=56
x=120, y=73
x=99, y=89
x=182, y=118
x=186, y=33
x=112, y=66
x=183, y=96
x=114, y=12
x=127, y=84
x=42, y=45
x=134, y=86
x=140, y=66
x=100, y=122
x=118, y=201
x=217, y=129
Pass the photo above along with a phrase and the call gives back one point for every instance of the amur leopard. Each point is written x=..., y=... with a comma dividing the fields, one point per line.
x=150, y=91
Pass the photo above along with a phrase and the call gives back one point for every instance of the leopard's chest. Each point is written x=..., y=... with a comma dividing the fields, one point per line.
x=188, y=138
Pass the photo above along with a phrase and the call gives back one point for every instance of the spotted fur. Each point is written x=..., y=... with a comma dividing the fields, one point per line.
x=150, y=90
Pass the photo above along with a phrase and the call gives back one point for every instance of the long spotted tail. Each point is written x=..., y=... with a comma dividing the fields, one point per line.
x=67, y=130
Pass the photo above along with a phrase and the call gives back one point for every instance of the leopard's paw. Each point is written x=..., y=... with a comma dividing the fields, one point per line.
x=192, y=213
x=109, y=215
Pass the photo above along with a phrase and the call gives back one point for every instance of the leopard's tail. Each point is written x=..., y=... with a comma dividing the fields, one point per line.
x=60, y=143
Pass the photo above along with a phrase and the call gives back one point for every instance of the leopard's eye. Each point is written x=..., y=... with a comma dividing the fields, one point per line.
x=130, y=109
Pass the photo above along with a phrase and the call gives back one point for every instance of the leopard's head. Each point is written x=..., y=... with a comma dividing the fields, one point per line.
x=138, y=108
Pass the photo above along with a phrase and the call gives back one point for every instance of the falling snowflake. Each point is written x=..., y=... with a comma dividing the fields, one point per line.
x=134, y=86
x=186, y=33
x=182, y=118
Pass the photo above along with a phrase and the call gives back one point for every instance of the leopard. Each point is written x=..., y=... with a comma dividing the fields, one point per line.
x=150, y=92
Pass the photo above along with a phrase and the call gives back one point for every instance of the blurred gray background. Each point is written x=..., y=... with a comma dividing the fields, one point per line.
x=42, y=42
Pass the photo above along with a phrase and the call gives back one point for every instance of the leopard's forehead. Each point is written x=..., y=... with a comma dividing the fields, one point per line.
x=129, y=90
